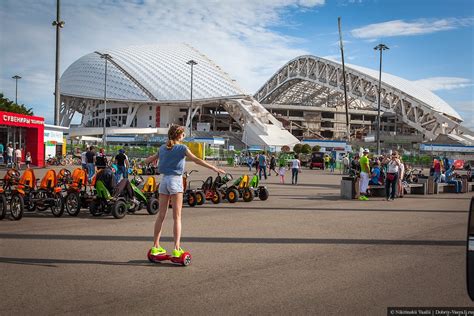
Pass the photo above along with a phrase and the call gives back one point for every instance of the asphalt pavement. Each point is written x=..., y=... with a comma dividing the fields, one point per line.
x=303, y=251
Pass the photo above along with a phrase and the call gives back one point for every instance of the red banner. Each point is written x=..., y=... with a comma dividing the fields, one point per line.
x=21, y=120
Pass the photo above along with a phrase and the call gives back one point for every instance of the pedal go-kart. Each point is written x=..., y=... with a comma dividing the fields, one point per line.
x=26, y=195
x=145, y=200
x=78, y=193
x=184, y=260
x=118, y=204
x=237, y=189
x=254, y=189
x=48, y=195
x=11, y=178
x=189, y=194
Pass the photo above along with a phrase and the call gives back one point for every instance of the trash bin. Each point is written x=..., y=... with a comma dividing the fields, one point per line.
x=349, y=188
x=429, y=182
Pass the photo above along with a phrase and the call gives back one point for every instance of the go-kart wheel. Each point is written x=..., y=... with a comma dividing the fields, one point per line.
x=152, y=206
x=57, y=208
x=186, y=259
x=40, y=196
x=216, y=199
x=200, y=198
x=263, y=194
x=73, y=204
x=119, y=209
x=232, y=195
x=247, y=195
x=3, y=206
x=17, y=206
x=192, y=200
x=94, y=208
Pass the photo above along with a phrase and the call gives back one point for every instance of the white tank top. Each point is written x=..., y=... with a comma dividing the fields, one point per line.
x=295, y=164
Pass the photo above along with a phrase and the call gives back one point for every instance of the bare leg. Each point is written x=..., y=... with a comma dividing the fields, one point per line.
x=177, y=203
x=164, y=200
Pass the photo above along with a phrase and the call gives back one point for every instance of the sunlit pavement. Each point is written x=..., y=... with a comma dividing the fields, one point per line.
x=304, y=251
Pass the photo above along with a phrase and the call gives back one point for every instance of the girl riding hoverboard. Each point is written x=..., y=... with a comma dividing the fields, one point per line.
x=171, y=161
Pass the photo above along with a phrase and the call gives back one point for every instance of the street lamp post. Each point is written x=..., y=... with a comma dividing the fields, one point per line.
x=189, y=120
x=104, y=135
x=59, y=25
x=381, y=48
x=16, y=77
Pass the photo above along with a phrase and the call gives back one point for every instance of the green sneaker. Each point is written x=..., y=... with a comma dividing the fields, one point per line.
x=363, y=198
x=177, y=252
x=157, y=251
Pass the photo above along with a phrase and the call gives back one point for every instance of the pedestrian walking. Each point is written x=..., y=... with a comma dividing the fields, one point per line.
x=122, y=162
x=295, y=169
x=28, y=160
x=262, y=165
x=401, y=175
x=10, y=155
x=18, y=157
x=272, y=166
x=249, y=162
x=364, y=175
x=281, y=172
x=90, y=162
x=101, y=160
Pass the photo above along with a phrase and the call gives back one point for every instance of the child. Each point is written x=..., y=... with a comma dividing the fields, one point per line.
x=171, y=161
x=281, y=172
x=28, y=160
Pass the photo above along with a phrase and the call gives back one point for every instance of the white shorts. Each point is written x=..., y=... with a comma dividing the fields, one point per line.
x=171, y=184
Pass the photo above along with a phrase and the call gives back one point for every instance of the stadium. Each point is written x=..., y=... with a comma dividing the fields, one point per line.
x=148, y=88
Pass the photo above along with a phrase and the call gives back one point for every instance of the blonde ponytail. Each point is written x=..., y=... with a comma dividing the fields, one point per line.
x=174, y=134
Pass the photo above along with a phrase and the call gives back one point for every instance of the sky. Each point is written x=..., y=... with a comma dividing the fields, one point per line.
x=431, y=41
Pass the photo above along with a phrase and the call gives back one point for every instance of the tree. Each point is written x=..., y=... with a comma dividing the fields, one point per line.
x=316, y=148
x=297, y=148
x=306, y=149
x=10, y=106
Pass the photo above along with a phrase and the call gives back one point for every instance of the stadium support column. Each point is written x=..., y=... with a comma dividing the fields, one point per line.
x=57, y=93
x=381, y=48
x=104, y=134
x=189, y=120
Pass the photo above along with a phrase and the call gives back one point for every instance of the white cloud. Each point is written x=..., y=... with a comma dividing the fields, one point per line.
x=236, y=34
x=403, y=28
x=444, y=83
x=466, y=110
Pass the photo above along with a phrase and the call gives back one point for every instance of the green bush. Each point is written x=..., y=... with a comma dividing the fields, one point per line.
x=306, y=149
x=297, y=148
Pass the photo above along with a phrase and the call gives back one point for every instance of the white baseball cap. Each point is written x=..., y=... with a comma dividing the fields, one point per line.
x=366, y=150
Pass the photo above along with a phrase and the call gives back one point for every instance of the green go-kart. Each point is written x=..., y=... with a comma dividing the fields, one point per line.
x=145, y=200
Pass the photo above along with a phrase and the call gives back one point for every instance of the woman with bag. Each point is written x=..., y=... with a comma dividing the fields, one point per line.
x=391, y=182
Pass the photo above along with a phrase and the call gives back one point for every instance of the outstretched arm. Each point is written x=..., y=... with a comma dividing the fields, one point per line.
x=201, y=162
x=151, y=159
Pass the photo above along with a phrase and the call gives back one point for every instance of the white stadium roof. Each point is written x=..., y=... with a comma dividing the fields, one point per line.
x=409, y=87
x=156, y=73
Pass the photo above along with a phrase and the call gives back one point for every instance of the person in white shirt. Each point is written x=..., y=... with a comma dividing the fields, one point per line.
x=281, y=172
x=18, y=157
x=295, y=169
x=84, y=160
x=391, y=180
x=10, y=155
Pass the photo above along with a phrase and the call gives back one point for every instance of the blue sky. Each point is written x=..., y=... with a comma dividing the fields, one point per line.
x=431, y=41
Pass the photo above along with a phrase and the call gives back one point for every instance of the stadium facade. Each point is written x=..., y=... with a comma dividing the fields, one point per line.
x=148, y=88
